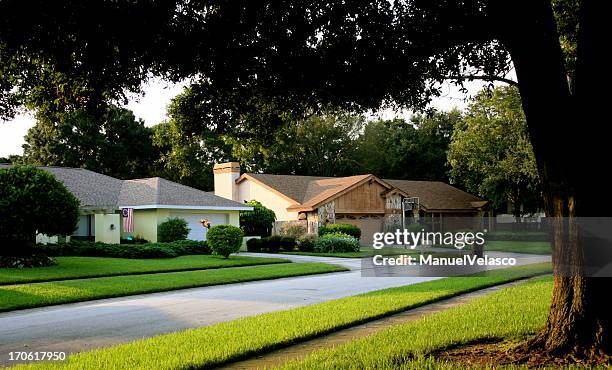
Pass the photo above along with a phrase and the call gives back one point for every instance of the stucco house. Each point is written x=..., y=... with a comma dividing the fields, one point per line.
x=367, y=201
x=153, y=200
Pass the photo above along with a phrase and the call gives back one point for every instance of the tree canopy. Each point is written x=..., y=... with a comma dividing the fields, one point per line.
x=115, y=143
x=491, y=154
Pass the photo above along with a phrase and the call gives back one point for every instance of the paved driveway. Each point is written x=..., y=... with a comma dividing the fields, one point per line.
x=87, y=325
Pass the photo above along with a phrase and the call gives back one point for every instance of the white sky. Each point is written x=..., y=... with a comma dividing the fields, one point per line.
x=157, y=94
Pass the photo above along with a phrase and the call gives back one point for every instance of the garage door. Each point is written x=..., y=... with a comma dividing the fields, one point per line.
x=368, y=227
x=198, y=232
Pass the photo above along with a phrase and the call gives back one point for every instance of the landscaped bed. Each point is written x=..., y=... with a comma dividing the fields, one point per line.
x=13, y=297
x=85, y=267
x=220, y=343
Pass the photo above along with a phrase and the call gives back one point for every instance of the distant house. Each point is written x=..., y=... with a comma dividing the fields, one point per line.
x=153, y=200
x=367, y=201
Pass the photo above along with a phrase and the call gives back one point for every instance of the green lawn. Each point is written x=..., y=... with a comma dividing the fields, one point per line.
x=84, y=267
x=519, y=247
x=509, y=314
x=512, y=246
x=13, y=297
x=363, y=252
x=217, y=344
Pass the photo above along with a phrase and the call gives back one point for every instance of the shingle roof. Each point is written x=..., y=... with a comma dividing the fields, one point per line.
x=95, y=190
x=438, y=195
x=307, y=191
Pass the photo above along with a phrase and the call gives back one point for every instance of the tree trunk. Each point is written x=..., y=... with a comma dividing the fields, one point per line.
x=564, y=142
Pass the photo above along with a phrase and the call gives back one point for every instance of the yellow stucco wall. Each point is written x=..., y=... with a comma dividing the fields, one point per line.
x=146, y=220
x=104, y=233
x=249, y=190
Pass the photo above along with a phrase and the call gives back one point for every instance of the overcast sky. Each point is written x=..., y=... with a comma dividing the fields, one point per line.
x=157, y=94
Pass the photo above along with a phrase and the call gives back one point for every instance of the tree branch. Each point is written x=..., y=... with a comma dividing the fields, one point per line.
x=483, y=78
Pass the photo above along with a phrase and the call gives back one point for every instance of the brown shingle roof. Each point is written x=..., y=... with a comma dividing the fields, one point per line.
x=308, y=191
x=438, y=195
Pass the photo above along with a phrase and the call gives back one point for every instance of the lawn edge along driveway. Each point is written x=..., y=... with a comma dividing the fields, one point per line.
x=234, y=340
x=510, y=314
x=69, y=268
x=20, y=296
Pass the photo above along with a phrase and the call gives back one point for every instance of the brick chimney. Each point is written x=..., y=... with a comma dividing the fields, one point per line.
x=225, y=179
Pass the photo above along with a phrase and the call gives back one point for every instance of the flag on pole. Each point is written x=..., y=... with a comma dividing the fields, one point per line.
x=128, y=219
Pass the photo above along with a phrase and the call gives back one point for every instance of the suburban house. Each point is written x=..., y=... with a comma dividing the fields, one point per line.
x=366, y=201
x=152, y=201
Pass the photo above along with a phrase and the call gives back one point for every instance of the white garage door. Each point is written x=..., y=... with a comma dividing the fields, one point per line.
x=198, y=232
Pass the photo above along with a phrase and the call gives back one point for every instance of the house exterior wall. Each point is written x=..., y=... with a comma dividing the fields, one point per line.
x=147, y=220
x=365, y=198
x=108, y=228
x=249, y=190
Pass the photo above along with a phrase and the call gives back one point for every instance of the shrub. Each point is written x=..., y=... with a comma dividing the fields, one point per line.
x=347, y=229
x=149, y=250
x=415, y=228
x=292, y=229
x=533, y=236
x=257, y=222
x=192, y=246
x=136, y=240
x=287, y=243
x=254, y=245
x=33, y=201
x=225, y=239
x=306, y=243
x=172, y=229
x=336, y=242
x=272, y=244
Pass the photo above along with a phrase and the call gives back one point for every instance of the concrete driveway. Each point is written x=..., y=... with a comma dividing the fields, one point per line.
x=87, y=325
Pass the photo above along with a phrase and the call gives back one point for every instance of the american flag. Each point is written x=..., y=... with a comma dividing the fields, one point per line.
x=128, y=219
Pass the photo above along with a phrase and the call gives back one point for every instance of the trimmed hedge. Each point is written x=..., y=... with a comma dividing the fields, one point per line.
x=336, y=243
x=347, y=229
x=518, y=236
x=272, y=244
x=225, y=239
x=148, y=250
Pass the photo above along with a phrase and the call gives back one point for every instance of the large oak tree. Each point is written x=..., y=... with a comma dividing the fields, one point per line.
x=356, y=55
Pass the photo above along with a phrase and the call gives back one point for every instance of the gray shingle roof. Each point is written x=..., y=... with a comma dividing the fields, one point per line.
x=95, y=190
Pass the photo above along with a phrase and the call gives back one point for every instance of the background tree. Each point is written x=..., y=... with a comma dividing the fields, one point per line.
x=116, y=144
x=358, y=55
x=320, y=145
x=491, y=154
x=414, y=150
x=32, y=201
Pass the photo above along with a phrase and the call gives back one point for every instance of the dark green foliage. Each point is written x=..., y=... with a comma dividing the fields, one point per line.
x=112, y=142
x=31, y=201
x=306, y=243
x=225, y=239
x=172, y=229
x=254, y=245
x=518, y=236
x=257, y=222
x=149, y=250
x=136, y=240
x=336, y=243
x=287, y=243
x=348, y=229
x=272, y=244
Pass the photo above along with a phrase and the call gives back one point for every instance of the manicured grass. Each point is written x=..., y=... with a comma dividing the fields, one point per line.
x=220, y=343
x=512, y=246
x=509, y=314
x=13, y=297
x=363, y=252
x=84, y=267
x=519, y=247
